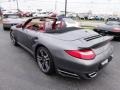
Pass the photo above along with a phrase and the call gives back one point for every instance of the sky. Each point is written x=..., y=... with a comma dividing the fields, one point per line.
x=79, y=6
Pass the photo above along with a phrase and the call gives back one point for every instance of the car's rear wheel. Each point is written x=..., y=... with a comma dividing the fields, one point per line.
x=45, y=60
x=102, y=33
x=117, y=38
x=13, y=39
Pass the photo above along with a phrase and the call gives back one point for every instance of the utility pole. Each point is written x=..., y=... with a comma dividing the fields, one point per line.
x=17, y=5
x=0, y=14
x=65, y=7
x=55, y=5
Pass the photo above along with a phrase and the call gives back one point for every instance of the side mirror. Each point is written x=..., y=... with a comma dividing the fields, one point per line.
x=19, y=26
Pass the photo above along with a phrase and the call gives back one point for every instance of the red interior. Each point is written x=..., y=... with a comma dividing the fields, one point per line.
x=42, y=27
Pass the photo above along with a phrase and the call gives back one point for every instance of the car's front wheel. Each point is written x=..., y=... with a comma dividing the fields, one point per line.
x=45, y=60
x=13, y=39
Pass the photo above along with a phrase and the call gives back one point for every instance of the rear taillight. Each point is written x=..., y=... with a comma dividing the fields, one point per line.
x=86, y=54
x=116, y=30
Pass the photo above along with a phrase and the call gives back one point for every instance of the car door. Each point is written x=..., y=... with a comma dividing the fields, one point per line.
x=31, y=34
x=20, y=34
x=26, y=37
x=32, y=37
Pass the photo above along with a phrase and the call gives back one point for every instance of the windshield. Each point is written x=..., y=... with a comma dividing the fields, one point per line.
x=63, y=30
x=113, y=23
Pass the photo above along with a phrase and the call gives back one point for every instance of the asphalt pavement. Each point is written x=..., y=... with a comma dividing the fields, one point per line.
x=19, y=71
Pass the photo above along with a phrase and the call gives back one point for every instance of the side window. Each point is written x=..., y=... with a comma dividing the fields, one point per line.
x=32, y=25
x=40, y=24
x=36, y=25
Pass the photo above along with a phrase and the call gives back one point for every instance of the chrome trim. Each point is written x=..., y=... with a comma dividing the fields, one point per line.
x=92, y=75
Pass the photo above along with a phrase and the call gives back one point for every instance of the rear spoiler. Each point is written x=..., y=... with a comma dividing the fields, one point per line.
x=97, y=42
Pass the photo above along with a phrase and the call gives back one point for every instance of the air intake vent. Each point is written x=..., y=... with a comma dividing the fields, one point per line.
x=92, y=37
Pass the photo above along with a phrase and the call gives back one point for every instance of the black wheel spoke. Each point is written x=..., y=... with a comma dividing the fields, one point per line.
x=43, y=66
x=42, y=53
x=47, y=58
x=46, y=65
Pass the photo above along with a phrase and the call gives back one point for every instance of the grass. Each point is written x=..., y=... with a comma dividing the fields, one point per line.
x=88, y=27
x=91, y=20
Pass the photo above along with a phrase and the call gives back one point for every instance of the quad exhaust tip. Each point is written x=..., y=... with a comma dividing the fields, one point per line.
x=92, y=75
x=69, y=74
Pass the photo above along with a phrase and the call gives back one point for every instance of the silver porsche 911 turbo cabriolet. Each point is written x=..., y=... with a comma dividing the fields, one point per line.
x=70, y=51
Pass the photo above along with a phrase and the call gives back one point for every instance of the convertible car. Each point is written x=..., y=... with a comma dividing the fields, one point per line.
x=70, y=51
x=110, y=28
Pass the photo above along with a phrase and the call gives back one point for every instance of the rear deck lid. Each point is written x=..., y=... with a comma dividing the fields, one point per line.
x=74, y=35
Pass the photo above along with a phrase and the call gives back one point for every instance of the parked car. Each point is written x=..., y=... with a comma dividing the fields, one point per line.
x=10, y=20
x=109, y=28
x=24, y=14
x=99, y=18
x=70, y=51
x=112, y=18
x=40, y=14
x=68, y=22
x=91, y=17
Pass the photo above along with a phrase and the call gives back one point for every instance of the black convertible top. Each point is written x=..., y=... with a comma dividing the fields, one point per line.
x=63, y=30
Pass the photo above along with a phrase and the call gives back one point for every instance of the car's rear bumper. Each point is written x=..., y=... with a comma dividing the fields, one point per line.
x=84, y=67
x=8, y=25
x=83, y=71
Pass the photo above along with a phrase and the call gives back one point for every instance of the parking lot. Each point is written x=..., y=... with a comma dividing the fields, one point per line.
x=19, y=71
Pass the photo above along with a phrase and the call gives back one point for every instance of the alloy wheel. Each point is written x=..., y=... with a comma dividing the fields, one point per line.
x=43, y=60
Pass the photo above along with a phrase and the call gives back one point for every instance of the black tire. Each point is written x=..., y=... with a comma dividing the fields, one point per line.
x=4, y=28
x=101, y=33
x=13, y=39
x=45, y=60
x=116, y=38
